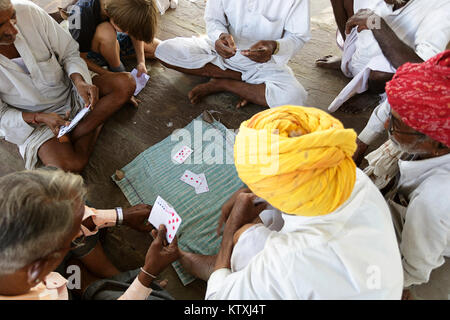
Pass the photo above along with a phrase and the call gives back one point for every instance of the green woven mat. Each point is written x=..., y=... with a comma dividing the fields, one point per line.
x=153, y=173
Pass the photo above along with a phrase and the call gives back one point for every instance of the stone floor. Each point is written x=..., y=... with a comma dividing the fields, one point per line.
x=165, y=107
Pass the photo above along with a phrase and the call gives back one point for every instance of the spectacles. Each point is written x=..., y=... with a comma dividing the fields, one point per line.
x=392, y=130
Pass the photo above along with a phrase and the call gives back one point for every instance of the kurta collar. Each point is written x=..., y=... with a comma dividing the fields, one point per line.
x=25, y=53
x=413, y=170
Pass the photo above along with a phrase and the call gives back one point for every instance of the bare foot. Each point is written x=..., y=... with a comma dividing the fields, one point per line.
x=360, y=102
x=151, y=48
x=205, y=89
x=329, y=62
x=198, y=265
x=163, y=283
x=406, y=295
x=242, y=103
x=134, y=102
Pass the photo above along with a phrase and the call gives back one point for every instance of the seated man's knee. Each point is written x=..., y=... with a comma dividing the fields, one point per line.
x=165, y=47
x=240, y=231
x=74, y=165
x=378, y=80
x=287, y=94
x=125, y=85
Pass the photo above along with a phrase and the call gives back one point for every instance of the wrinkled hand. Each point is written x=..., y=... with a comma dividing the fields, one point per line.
x=225, y=46
x=160, y=254
x=227, y=207
x=406, y=295
x=244, y=211
x=88, y=92
x=53, y=121
x=261, y=51
x=136, y=217
x=141, y=69
x=358, y=156
x=364, y=19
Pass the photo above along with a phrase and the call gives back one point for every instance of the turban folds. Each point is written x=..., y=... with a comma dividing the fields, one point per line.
x=298, y=159
x=420, y=94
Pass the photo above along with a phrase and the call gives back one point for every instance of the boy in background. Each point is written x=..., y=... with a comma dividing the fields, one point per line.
x=108, y=30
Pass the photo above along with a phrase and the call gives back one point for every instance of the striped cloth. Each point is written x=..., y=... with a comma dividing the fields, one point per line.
x=154, y=173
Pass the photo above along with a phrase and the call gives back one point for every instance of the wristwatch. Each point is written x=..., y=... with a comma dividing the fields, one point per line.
x=119, y=212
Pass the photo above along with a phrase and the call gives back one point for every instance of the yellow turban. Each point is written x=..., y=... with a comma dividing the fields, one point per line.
x=298, y=159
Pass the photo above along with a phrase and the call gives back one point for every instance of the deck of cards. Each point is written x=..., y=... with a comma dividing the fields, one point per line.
x=80, y=115
x=197, y=181
x=164, y=213
x=182, y=155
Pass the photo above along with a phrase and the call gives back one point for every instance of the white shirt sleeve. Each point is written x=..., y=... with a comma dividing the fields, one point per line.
x=216, y=21
x=426, y=231
x=136, y=291
x=433, y=34
x=64, y=46
x=260, y=279
x=12, y=126
x=375, y=127
x=297, y=32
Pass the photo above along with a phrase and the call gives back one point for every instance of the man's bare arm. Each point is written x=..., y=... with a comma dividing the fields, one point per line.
x=91, y=65
x=394, y=49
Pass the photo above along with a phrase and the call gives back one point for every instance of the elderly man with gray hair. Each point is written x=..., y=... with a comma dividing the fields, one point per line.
x=42, y=219
x=44, y=83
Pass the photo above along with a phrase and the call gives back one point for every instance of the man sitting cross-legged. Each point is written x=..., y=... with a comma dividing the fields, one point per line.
x=44, y=83
x=381, y=36
x=246, y=52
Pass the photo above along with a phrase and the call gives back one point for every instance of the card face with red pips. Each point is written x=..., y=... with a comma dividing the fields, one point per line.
x=182, y=155
x=164, y=213
x=198, y=181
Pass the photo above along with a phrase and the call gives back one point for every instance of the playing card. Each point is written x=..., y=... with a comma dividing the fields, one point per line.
x=164, y=213
x=141, y=81
x=182, y=155
x=80, y=115
x=191, y=179
x=203, y=187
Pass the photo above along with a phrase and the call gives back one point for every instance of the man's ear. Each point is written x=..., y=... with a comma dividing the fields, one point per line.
x=64, y=14
x=37, y=271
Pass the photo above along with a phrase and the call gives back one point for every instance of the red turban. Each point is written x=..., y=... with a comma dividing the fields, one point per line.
x=420, y=94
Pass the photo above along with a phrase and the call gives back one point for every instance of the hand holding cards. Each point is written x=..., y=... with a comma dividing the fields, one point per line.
x=141, y=81
x=65, y=130
x=164, y=214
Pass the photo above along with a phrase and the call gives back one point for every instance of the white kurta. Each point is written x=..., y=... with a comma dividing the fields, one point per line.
x=351, y=253
x=249, y=21
x=51, y=56
x=426, y=230
x=426, y=184
x=375, y=126
x=423, y=25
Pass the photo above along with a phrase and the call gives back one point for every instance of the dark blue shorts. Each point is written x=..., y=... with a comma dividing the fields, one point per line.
x=126, y=49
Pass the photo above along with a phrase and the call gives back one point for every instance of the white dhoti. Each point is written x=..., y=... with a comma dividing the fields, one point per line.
x=423, y=25
x=282, y=87
x=359, y=69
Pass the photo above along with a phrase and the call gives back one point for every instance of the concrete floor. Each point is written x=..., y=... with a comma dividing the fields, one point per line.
x=132, y=131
